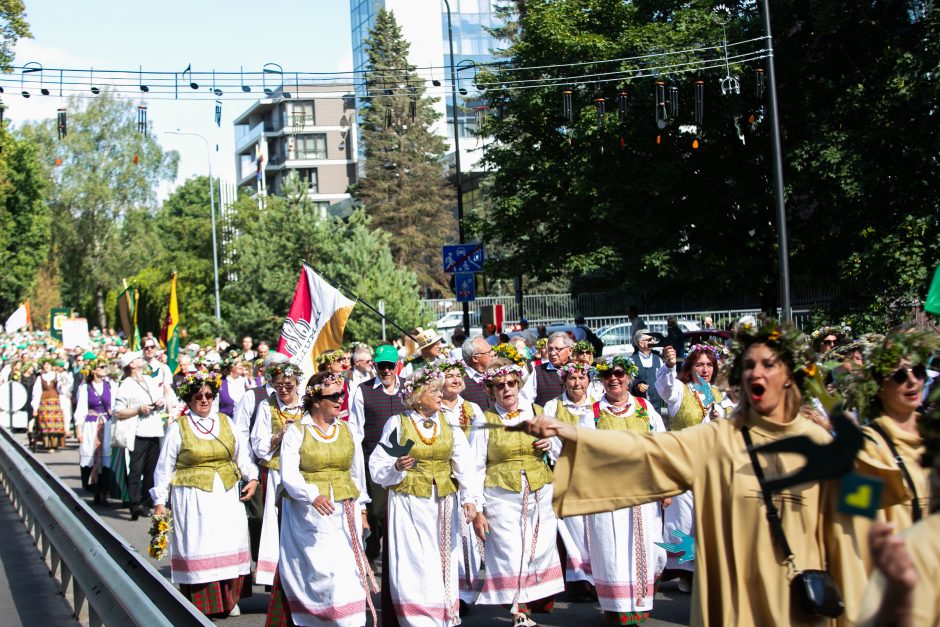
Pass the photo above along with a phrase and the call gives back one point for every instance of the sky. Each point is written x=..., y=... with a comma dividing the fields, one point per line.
x=300, y=35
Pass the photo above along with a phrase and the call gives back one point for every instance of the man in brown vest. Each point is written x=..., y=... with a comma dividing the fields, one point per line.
x=544, y=384
x=374, y=402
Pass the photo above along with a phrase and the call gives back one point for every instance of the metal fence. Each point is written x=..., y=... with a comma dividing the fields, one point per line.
x=109, y=582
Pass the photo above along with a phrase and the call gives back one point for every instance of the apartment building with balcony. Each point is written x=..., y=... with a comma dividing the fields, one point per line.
x=308, y=129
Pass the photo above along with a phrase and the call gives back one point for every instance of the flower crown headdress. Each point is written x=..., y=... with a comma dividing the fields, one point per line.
x=447, y=363
x=192, y=381
x=583, y=346
x=285, y=368
x=609, y=363
x=509, y=352
x=541, y=344
x=503, y=371
x=330, y=356
x=414, y=385
x=317, y=389
x=575, y=366
x=711, y=348
x=790, y=344
x=842, y=331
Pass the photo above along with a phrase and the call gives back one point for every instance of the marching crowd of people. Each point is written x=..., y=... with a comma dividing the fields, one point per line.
x=508, y=472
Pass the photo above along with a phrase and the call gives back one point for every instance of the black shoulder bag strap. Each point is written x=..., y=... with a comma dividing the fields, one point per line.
x=915, y=503
x=773, y=515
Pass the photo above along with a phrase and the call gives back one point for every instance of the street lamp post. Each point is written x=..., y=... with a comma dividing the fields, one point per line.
x=215, y=253
x=459, y=178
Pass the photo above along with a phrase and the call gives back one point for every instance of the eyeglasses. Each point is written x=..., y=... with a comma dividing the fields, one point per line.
x=149, y=347
x=899, y=376
x=828, y=342
x=385, y=365
x=489, y=352
x=555, y=349
x=617, y=372
x=284, y=385
x=512, y=383
x=335, y=397
x=203, y=397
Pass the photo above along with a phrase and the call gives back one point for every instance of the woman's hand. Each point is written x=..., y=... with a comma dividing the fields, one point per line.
x=404, y=463
x=159, y=510
x=542, y=445
x=323, y=505
x=669, y=356
x=249, y=490
x=666, y=502
x=469, y=512
x=365, y=520
x=545, y=427
x=481, y=526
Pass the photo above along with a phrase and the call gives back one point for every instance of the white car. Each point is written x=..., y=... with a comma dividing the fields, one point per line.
x=453, y=320
x=618, y=338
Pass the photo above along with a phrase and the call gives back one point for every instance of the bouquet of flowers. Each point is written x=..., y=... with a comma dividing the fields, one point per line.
x=159, y=530
x=509, y=352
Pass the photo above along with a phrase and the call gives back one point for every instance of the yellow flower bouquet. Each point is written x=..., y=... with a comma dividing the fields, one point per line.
x=159, y=530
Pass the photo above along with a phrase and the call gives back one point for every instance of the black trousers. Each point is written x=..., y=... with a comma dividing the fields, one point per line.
x=140, y=474
x=375, y=513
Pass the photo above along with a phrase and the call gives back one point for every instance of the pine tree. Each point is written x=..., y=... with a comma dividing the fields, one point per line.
x=404, y=189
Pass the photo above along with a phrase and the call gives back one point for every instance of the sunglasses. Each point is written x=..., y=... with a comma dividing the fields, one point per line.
x=203, y=397
x=512, y=383
x=619, y=373
x=149, y=347
x=385, y=365
x=335, y=397
x=899, y=376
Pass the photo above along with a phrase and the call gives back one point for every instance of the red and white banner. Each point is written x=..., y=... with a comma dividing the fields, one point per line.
x=315, y=323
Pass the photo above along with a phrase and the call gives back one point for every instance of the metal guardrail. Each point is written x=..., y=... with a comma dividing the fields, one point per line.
x=110, y=582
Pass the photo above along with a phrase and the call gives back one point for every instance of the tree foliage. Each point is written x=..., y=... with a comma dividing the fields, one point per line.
x=352, y=253
x=624, y=210
x=13, y=27
x=404, y=189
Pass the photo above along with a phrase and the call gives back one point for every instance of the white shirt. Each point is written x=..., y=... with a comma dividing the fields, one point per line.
x=530, y=388
x=243, y=411
x=166, y=464
x=161, y=374
x=263, y=431
x=133, y=394
x=671, y=390
x=81, y=402
x=453, y=415
x=357, y=415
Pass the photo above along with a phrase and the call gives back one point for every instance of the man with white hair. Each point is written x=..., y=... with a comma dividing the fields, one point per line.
x=477, y=354
x=544, y=384
x=362, y=369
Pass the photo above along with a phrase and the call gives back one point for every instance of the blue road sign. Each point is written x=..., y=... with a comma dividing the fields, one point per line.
x=465, y=285
x=462, y=258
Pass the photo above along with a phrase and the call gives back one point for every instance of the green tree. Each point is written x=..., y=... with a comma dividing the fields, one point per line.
x=404, y=189
x=24, y=220
x=13, y=26
x=352, y=253
x=104, y=169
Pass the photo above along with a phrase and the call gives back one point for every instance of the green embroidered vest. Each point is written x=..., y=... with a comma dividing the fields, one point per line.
x=278, y=420
x=199, y=461
x=690, y=411
x=327, y=464
x=433, y=466
x=563, y=415
x=638, y=421
x=509, y=454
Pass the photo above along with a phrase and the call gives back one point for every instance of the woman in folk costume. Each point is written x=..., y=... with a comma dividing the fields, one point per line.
x=47, y=406
x=462, y=414
x=202, y=460
x=574, y=406
x=742, y=576
x=337, y=362
x=323, y=576
x=517, y=522
x=888, y=392
x=424, y=517
x=275, y=415
x=93, y=409
x=625, y=561
x=234, y=384
x=691, y=398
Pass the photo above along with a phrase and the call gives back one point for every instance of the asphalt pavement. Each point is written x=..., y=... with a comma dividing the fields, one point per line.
x=670, y=607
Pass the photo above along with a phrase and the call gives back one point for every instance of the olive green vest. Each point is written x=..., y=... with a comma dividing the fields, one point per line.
x=509, y=454
x=563, y=415
x=278, y=420
x=199, y=461
x=433, y=467
x=327, y=464
x=690, y=412
x=638, y=421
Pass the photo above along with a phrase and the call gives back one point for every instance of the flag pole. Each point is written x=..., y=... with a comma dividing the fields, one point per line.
x=359, y=300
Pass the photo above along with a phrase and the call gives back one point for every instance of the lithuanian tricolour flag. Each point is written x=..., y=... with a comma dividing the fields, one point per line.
x=169, y=335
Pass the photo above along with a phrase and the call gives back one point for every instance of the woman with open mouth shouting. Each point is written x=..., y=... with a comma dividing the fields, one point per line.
x=742, y=576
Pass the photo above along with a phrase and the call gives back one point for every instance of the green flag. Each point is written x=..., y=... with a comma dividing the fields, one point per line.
x=127, y=311
x=933, y=295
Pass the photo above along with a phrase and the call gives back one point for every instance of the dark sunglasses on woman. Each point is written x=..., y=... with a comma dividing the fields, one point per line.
x=919, y=371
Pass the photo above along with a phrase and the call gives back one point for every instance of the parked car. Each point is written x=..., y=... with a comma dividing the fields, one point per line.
x=618, y=338
x=453, y=320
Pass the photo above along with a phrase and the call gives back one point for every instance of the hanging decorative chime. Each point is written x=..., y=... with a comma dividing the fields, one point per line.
x=567, y=109
x=622, y=105
x=412, y=103
x=661, y=111
x=61, y=123
x=699, y=102
x=673, y=100
x=218, y=113
x=142, y=119
x=481, y=113
x=600, y=104
x=759, y=83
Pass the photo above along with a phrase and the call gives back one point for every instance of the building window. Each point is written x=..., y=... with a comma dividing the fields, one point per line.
x=310, y=179
x=300, y=115
x=309, y=147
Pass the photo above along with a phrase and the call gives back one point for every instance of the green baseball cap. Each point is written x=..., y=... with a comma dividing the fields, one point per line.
x=386, y=353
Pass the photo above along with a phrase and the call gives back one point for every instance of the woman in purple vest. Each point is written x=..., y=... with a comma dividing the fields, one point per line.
x=234, y=385
x=93, y=408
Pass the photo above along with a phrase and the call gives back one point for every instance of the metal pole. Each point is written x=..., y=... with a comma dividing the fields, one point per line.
x=777, y=155
x=215, y=248
x=459, y=178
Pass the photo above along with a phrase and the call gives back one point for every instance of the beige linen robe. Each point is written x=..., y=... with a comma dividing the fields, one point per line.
x=741, y=577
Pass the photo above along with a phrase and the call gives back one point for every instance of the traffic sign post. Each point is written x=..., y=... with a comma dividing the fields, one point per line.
x=465, y=287
x=460, y=258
